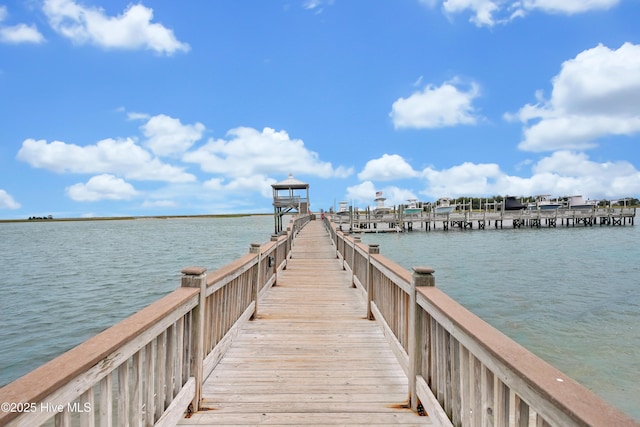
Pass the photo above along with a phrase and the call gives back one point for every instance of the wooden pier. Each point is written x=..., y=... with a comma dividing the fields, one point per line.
x=310, y=328
x=310, y=356
x=395, y=221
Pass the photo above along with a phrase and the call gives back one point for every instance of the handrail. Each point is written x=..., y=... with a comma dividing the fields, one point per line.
x=461, y=369
x=149, y=368
x=66, y=384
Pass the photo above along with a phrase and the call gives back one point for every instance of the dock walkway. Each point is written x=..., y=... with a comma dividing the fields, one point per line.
x=310, y=357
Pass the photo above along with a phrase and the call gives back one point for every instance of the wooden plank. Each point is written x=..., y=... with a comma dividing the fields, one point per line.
x=404, y=417
x=310, y=356
x=431, y=404
x=106, y=402
x=178, y=406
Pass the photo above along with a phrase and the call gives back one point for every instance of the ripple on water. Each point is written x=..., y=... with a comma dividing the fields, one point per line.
x=570, y=295
x=66, y=281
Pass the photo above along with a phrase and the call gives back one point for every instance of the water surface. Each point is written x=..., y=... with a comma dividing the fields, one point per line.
x=63, y=282
x=570, y=295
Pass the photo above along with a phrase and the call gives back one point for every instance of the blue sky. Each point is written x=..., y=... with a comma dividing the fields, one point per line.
x=112, y=108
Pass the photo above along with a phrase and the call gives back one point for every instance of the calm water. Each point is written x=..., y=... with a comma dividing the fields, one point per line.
x=63, y=282
x=570, y=295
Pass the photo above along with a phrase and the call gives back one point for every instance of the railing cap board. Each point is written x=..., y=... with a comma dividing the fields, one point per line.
x=268, y=246
x=361, y=247
x=228, y=269
x=581, y=404
x=46, y=379
x=393, y=267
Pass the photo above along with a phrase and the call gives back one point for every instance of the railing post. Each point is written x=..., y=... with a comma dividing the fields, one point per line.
x=276, y=260
x=356, y=239
x=345, y=234
x=195, y=277
x=255, y=249
x=421, y=276
x=374, y=248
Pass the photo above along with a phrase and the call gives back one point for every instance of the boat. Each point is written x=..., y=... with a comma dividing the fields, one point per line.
x=511, y=203
x=412, y=208
x=543, y=202
x=578, y=202
x=380, y=210
x=343, y=210
x=444, y=206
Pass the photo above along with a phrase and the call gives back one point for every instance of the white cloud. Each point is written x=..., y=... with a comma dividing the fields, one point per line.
x=576, y=164
x=245, y=184
x=101, y=187
x=436, y=107
x=317, y=5
x=363, y=194
x=573, y=172
x=388, y=167
x=249, y=152
x=561, y=174
x=568, y=7
x=132, y=29
x=596, y=94
x=137, y=116
x=462, y=180
x=168, y=136
x=483, y=10
x=121, y=157
x=7, y=201
x=159, y=204
x=312, y=4
x=19, y=33
x=491, y=12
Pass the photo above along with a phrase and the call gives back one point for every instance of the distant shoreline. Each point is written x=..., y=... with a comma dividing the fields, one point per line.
x=124, y=218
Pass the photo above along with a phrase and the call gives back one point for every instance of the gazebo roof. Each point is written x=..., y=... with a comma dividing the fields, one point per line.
x=290, y=183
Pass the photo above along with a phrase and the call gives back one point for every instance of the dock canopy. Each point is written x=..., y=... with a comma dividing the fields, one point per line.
x=289, y=196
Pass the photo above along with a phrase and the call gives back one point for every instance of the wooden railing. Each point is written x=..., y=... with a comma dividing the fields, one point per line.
x=461, y=370
x=149, y=369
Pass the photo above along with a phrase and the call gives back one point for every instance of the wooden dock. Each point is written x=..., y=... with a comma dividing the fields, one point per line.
x=310, y=328
x=396, y=221
x=310, y=357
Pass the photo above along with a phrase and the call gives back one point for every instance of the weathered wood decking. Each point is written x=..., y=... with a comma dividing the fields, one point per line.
x=310, y=357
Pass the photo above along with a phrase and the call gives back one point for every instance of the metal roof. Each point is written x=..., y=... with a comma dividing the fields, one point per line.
x=290, y=183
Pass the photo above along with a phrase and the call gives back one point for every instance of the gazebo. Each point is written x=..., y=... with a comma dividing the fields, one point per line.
x=289, y=196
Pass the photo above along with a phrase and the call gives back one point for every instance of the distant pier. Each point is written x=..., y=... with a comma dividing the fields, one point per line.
x=363, y=221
